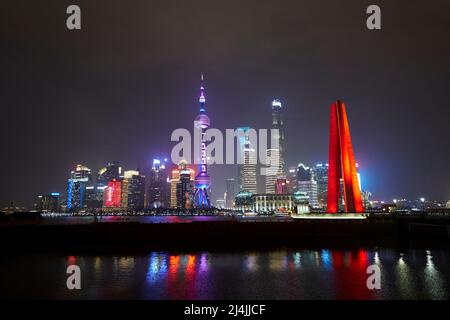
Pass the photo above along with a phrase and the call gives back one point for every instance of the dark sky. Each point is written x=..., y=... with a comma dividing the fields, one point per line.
x=116, y=89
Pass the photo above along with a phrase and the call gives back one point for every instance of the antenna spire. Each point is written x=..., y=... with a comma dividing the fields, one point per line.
x=202, y=98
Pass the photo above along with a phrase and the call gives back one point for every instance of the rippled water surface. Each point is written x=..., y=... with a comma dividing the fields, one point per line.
x=280, y=274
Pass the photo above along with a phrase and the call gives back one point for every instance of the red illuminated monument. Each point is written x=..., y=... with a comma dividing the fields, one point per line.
x=342, y=164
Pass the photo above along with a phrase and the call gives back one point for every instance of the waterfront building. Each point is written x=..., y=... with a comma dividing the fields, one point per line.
x=366, y=199
x=174, y=178
x=320, y=174
x=292, y=180
x=133, y=190
x=112, y=171
x=273, y=170
x=79, y=179
x=185, y=187
x=95, y=195
x=220, y=203
x=244, y=201
x=301, y=202
x=247, y=169
x=112, y=198
x=232, y=191
x=307, y=184
x=48, y=203
x=158, y=184
x=267, y=203
x=277, y=123
x=281, y=186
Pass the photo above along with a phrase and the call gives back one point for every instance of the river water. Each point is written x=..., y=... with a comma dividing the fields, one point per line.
x=277, y=274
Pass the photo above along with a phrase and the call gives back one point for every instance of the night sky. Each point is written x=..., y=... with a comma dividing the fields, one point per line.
x=117, y=89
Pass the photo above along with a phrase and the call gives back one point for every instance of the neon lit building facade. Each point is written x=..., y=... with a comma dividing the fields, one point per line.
x=342, y=164
x=76, y=188
x=113, y=194
x=202, y=180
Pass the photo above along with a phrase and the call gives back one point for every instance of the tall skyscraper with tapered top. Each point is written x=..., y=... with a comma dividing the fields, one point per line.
x=277, y=123
x=247, y=168
x=202, y=180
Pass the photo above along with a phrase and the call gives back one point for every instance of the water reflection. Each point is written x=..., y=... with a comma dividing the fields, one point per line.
x=251, y=262
x=281, y=274
x=405, y=281
x=433, y=279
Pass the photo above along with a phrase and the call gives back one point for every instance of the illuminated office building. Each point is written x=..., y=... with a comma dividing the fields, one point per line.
x=274, y=169
x=281, y=186
x=307, y=184
x=320, y=174
x=177, y=190
x=112, y=171
x=244, y=201
x=247, y=169
x=174, y=178
x=133, y=190
x=292, y=180
x=231, y=192
x=76, y=189
x=185, y=188
x=158, y=184
x=48, y=203
x=277, y=123
x=113, y=195
x=106, y=174
x=301, y=202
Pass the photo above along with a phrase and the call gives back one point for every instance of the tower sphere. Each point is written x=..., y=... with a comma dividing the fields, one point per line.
x=202, y=121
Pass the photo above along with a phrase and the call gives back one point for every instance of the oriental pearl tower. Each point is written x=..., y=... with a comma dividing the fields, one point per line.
x=202, y=180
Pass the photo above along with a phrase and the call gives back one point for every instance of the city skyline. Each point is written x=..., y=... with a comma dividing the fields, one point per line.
x=260, y=185
x=65, y=103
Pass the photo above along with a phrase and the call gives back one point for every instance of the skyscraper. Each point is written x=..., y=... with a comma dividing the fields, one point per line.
x=133, y=190
x=292, y=180
x=281, y=186
x=174, y=178
x=274, y=169
x=232, y=191
x=112, y=171
x=185, y=188
x=247, y=170
x=277, y=123
x=202, y=180
x=95, y=195
x=79, y=179
x=158, y=193
x=176, y=191
x=307, y=184
x=48, y=202
x=342, y=163
x=112, y=197
x=320, y=174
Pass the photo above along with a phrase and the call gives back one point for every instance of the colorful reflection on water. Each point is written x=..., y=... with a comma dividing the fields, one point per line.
x=280, y=274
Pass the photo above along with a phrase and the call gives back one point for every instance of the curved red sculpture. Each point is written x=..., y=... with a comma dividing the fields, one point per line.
x=341, y=164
